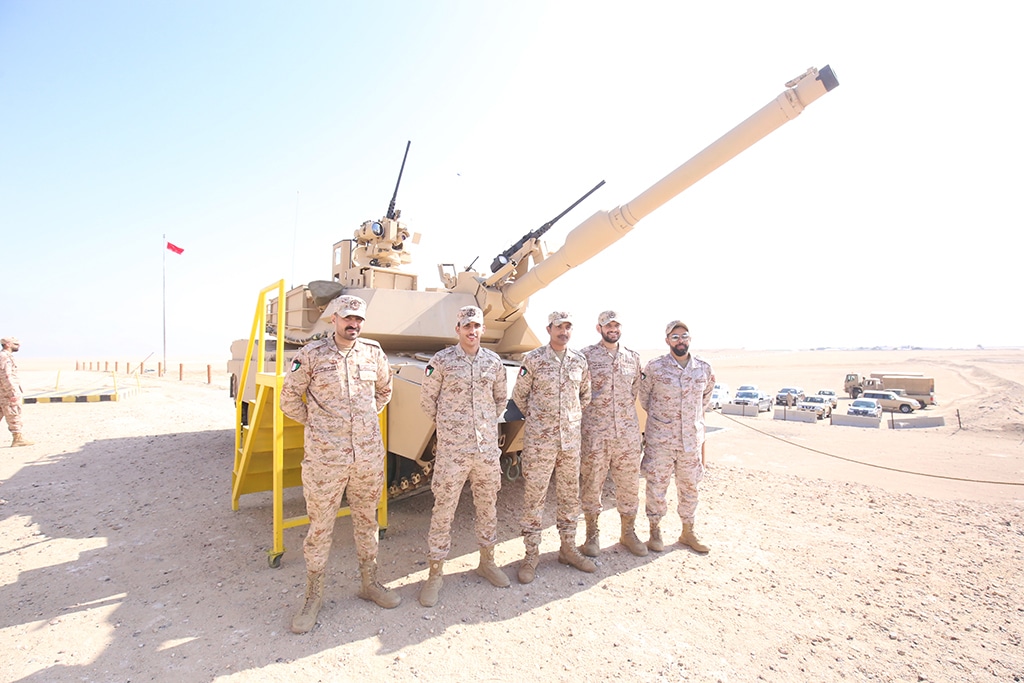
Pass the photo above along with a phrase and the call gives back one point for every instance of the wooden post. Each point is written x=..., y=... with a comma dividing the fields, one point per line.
x=208, y=377
x=181, y=371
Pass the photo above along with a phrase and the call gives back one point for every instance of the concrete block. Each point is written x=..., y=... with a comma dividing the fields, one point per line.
x=917, y=422
x=745, y=411
x=794, y=415
x=856, y=421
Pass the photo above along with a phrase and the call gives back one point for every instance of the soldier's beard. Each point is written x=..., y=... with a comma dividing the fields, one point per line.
x=680, y=350
x=610, y=337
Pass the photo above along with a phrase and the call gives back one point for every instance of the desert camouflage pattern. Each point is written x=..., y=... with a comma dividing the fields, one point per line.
x=345, y=389
x=659, y=467
x=675, y=399
x=551, y=393
x=10, y=391
x=610, y=430
x=465, y=396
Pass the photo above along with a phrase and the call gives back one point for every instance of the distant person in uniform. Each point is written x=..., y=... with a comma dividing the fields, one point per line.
x=611, y=435
x=464, y=392
x=552, y=389
x=10, y=390
x=676, y=392
x=346, y=382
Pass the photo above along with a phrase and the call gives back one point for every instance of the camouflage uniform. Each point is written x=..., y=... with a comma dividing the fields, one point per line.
x=552, y=394
x=10, y=391
x=675, y=399
x=465, y=397
x=345, y=390
x=610, y=429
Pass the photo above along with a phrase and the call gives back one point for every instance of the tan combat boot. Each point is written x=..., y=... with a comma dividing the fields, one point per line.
x=528, y=567
x=571, y=555
x=628, y=537
x=655, y=543
x=304, y=621
x=374, y=591
x=491, y=571
x=432, y=586
x=689, y=538
x=19, y=440
x=592, y=546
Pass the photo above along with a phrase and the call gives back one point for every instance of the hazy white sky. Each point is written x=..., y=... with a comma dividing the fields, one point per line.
x=255, y=135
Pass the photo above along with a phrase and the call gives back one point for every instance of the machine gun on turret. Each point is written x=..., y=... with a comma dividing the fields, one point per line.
x=503, y=259
x=392, y=214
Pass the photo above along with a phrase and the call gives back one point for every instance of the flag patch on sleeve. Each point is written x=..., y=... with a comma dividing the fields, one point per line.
x=522, y=371
x=429, y=370
x=296, y=364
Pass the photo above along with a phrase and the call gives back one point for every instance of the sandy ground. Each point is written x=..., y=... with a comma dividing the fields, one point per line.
x=838, y=553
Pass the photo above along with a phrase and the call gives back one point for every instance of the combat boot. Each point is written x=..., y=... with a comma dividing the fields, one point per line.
x=655, y=543
x=528, y=567
x=689, y=538
x=628, y=537
x=491, y=571
x=592, y=546
x=571, y=555
x=432, y=586
x=304, y=621
x=19, y=440
x=374, y=591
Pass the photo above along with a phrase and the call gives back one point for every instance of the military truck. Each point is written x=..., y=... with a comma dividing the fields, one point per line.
x=412, y=323
x=913, y=385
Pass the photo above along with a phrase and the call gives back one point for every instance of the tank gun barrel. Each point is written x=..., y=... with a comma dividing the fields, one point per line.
x=391, y=206
x=501, y=259
x=606, y=227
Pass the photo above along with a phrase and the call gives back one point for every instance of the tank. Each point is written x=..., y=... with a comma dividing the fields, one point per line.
x=411, y=323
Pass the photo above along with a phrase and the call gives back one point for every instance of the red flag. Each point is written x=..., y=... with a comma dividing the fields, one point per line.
x=175, y=249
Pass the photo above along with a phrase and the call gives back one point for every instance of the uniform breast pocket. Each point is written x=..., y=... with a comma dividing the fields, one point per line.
x=367, y=373
x=576, y=375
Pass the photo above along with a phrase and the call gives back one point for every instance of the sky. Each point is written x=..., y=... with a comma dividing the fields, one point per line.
x=255, y=135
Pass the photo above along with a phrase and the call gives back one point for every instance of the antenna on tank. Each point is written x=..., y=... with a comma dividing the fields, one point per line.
x=391, y=206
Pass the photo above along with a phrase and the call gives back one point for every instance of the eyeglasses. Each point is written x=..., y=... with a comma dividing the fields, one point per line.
x=679, y=337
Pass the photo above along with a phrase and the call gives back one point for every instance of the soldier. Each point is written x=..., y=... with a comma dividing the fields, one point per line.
x=675, y=391
x=551, y=391
x=347, y=382
x=611, y=435
x=10, y=390
x=464, y=392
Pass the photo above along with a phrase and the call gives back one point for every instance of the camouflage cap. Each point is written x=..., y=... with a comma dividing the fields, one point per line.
x=345, y=305
x=13, y=341
x=559, y=317
x=673, y=325
x=608, y=317
x=469, y=314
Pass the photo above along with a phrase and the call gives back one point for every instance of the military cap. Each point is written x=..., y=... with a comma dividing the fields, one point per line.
x=470, y=314
x=607, y=317
x=344, y=306
x=559, y=317
x=673, y=325
x=11, y=341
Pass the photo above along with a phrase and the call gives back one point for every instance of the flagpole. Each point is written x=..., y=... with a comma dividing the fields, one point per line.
x=164, y=250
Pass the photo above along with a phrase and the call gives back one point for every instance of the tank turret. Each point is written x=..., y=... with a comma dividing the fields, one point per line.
x=411, y=324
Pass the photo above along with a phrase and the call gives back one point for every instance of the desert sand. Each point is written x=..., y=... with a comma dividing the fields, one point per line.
x=837, y=553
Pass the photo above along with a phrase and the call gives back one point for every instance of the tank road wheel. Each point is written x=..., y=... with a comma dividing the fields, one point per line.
x=274, y=560
x=905, y=408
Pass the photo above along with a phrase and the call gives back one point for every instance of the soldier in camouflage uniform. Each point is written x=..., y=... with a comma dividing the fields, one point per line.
x=675, y=391
x=551, y=391
x=10, y=391
x=346, y=382
x=611, y=435
x=464, y=392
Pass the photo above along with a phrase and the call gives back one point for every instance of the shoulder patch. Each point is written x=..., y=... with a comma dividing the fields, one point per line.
x=522, y=371
x=296, y=364
x=643, y=375
x=429, y=370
